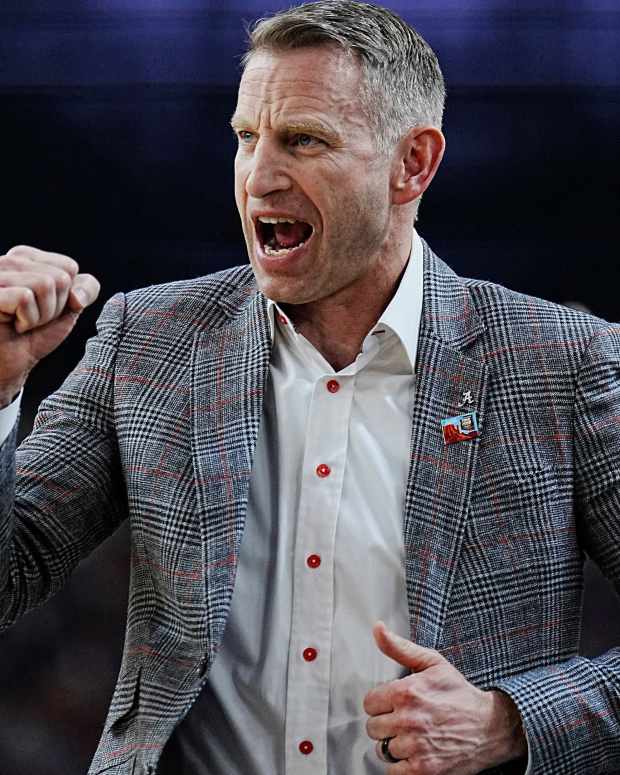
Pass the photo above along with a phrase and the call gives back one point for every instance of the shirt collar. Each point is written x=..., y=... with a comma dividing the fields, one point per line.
x=404, y=312
x=402, y=315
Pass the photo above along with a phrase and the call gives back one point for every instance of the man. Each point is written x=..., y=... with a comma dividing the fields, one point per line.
x=279, y=437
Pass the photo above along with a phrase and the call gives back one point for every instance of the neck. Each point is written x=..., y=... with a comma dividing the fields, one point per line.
x=338, y=324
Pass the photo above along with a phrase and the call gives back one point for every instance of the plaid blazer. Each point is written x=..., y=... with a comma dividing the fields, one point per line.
x=159, y=422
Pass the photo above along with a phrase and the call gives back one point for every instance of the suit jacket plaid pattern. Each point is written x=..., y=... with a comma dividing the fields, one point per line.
x=159, y=423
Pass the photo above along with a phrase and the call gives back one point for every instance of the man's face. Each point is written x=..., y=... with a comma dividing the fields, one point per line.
x=307, y=154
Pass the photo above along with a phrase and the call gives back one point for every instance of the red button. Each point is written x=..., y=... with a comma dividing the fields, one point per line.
x=310, y=654
x=333, y=386
x=306, y=747
x=313, y=561
x=282, y=319
x=323, y=470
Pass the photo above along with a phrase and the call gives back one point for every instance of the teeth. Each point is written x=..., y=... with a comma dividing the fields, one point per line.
x=267, y=219
x=282, y=252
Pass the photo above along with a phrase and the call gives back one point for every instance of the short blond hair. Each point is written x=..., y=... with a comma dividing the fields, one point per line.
x=403, y=85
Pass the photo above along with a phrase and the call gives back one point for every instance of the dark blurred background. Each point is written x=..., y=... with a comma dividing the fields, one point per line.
x=115, y=149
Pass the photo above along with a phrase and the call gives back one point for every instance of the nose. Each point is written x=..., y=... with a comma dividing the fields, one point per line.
x=266, y=171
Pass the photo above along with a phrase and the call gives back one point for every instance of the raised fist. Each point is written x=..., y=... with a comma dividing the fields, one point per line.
x=41, y=297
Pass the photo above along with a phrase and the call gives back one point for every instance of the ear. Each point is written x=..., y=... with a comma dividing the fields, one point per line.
x=418, y=156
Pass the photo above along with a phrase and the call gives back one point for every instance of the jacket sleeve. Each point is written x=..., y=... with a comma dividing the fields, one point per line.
x=571, y=711
x=62, y=492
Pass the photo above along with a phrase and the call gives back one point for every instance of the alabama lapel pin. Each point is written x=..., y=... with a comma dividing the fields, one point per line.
x=462, y=427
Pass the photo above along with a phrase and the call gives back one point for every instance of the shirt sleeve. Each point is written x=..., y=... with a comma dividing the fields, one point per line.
x=8, y=417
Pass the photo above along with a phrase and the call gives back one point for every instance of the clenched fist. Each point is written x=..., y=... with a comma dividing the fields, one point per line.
x=41, y=297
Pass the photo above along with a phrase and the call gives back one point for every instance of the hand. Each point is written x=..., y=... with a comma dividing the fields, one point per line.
x=41, y=297
x=440, y=724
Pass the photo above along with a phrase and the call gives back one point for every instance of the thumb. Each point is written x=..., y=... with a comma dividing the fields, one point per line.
x=405, y=652
x=84, y=291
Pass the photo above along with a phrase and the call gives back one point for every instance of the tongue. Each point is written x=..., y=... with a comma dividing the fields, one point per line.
x=290, y=234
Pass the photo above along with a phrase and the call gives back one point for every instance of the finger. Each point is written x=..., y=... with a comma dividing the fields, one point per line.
x=84, y=291
x=380, y=699
x=51, y=285
x=405, y=652
x=19, y=304
x=378, y=727
x=400, y=747
x=395, y=751
x=54, y=290
x=42, y=284
x=58, y=260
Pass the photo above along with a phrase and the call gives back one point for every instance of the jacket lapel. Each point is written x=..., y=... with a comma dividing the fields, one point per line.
x=230, y=367
x=440, y=476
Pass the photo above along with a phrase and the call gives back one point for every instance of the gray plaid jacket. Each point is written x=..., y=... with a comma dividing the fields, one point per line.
x=159, y=422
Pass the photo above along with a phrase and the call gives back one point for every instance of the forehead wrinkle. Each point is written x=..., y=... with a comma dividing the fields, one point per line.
x=297, y=109
x=277, y=90
x=271, y=73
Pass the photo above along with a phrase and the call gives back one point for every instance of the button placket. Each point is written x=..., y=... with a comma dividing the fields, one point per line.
x=313, y=591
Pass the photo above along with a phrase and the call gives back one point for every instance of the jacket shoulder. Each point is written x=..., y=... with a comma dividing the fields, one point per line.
x=502, y=307
x=198, y=299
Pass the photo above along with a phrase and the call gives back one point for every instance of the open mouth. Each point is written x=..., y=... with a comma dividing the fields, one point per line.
x=279, y=236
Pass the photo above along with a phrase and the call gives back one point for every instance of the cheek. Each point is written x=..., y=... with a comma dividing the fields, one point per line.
x=241, y=202
x=240, y=178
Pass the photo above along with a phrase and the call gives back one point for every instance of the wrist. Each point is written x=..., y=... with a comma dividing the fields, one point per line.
x=505, y=729
x=9, y=392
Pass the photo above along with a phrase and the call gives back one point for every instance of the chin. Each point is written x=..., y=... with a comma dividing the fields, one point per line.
x=281, y=293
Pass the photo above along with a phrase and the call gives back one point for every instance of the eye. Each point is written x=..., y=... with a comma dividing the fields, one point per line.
x=306, y=141
x=244, y=136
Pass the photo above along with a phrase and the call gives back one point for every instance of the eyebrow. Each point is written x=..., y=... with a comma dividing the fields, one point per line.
x=294, y=127
x=236, y=122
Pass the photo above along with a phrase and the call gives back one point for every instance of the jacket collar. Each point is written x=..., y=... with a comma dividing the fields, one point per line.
x=447, y=309
x=448, y=312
